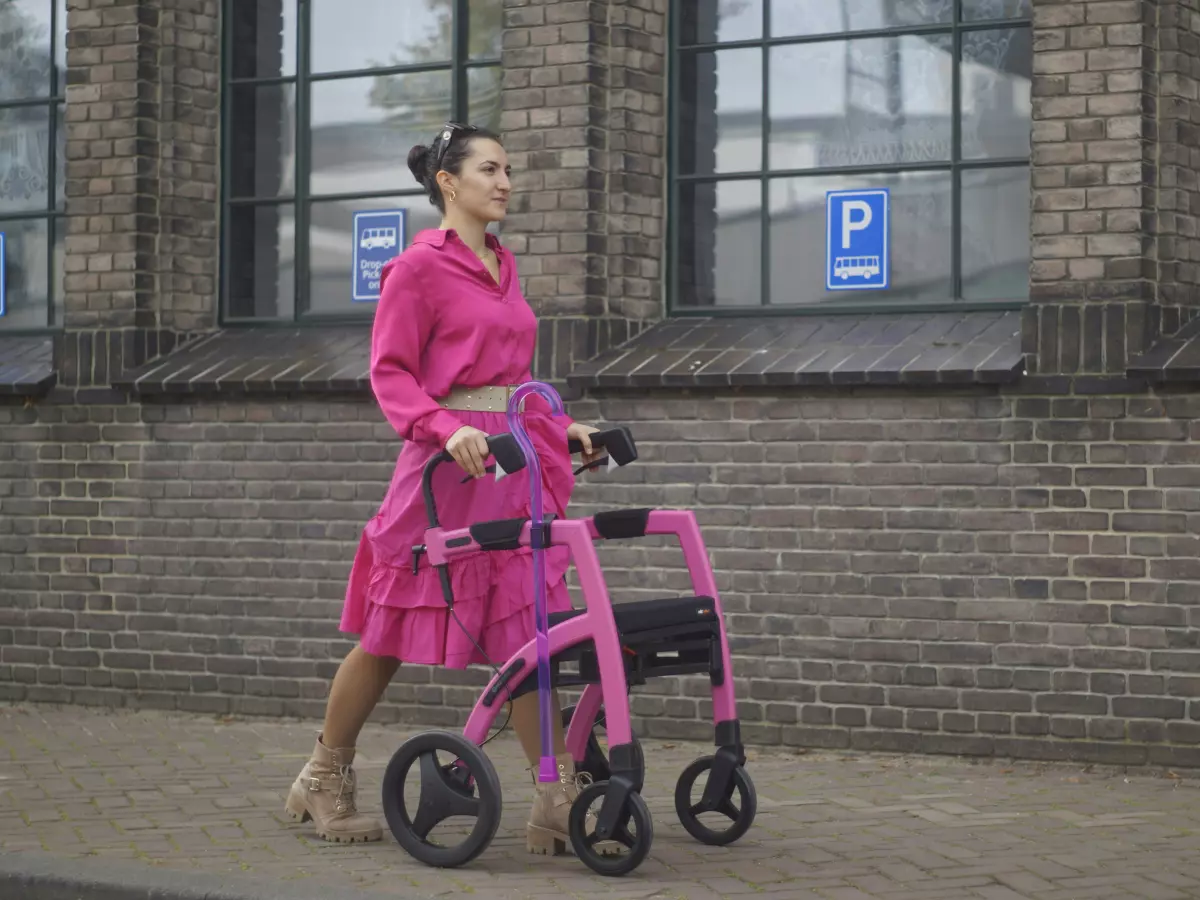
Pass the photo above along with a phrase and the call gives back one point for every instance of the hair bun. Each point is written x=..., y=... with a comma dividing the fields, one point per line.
x=418, y=160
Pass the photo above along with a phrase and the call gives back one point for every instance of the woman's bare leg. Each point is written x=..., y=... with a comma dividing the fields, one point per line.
x=325, y=789
x=360, y=681
x=526, y=722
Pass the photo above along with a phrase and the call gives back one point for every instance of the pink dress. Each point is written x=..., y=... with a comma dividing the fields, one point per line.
x=443, y=322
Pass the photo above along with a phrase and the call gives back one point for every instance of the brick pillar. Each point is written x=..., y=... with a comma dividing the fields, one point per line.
x=584, y=97
x=141, y=122
x=1178, y=217
x=1111, y=180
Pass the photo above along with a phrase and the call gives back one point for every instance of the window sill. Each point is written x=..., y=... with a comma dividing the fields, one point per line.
x=26, y=366
x=260, y=360
x=1172, y=360
x=896, y=349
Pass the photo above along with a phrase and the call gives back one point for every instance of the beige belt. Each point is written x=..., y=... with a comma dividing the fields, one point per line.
x=489, y=398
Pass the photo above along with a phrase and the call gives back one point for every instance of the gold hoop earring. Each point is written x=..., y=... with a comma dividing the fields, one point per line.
x=452, y=196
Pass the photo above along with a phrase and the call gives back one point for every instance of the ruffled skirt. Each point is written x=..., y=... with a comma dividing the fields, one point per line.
x=398, y=614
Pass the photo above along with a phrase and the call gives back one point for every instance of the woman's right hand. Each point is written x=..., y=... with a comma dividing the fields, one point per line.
x=469, y=448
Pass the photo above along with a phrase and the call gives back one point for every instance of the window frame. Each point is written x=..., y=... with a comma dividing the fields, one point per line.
x=954, y=166
x=301, y=200
x=52, y=214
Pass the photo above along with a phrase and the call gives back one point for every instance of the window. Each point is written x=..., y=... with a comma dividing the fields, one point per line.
x=32, y=178
x=323, y=100
x=777, y=102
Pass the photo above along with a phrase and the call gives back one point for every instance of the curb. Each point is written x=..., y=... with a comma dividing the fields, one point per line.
x=37, y=876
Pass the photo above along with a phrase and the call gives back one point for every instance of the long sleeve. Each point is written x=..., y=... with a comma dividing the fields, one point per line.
x=403, y=326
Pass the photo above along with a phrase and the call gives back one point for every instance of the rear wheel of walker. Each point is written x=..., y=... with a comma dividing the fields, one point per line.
x=634, y=831
x=595, y=760
x=456, y=781
x=716, y=798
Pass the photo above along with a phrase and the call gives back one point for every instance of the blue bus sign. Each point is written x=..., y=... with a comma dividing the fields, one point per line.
x=857, y=240
x=378, y=237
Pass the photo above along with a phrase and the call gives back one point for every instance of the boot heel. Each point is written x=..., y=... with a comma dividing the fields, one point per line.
x=543, y=841
x=296, y=809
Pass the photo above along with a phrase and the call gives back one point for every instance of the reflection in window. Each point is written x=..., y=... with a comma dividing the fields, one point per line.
x=845, y=111
x=32, y=41
x=333, y=138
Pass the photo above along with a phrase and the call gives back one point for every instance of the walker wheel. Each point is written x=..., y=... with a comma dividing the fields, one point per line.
x=461, y=784
x=718, y=797
x=595, y=760
x=633, y=831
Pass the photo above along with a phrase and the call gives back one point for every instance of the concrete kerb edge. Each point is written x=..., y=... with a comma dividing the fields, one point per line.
x=35, y=876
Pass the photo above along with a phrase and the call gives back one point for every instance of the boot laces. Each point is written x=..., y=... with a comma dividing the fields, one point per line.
x=344, y=801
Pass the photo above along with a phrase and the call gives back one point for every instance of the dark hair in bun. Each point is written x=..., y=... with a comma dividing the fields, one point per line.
x=422, y=161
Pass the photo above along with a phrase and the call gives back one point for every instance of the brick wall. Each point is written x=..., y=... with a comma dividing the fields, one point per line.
x=584, y=125
x=141, y=146
x=950, y=573
x=1115, y=114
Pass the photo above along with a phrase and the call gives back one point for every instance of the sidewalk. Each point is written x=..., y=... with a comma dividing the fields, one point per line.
x=204, y=795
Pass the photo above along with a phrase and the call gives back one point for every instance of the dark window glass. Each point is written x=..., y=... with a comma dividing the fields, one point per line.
x=379, y=33
x=927, y=98
x=326, y=99
x=866, y=102
x=995, y=233
x=262, y=140
x=32, y=157
x=261, y=261
x=262, y=37
x=976, y=10
x=26, y=270
x=720, y=118
x=790, y=18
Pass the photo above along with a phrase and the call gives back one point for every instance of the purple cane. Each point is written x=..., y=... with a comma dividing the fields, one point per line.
x=548, y=771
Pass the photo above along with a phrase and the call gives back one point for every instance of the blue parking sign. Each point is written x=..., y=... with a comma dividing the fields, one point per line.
x=378, y=237
x=857, y=240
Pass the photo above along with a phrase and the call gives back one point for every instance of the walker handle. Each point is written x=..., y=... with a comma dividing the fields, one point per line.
x=502, y=446
x=617, y=441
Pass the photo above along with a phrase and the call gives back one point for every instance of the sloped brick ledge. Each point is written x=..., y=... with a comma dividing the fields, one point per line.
x=26, y=365
x=904, y=349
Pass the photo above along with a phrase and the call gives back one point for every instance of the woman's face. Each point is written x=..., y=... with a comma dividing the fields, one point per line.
x=481, y=188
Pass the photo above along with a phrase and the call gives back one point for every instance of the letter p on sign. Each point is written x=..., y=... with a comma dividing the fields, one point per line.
x=849, y=223
x=857, y=240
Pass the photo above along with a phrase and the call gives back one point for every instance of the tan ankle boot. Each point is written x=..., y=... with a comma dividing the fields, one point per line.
x=546, y=832
x=324, y=792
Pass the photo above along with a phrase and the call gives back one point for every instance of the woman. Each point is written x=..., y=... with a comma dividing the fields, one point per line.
x=452, y=335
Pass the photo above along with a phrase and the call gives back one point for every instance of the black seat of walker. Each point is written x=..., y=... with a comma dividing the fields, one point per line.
x=666, y=617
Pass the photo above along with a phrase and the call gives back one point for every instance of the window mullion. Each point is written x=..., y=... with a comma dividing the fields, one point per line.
x=303, y=145
x=956, y=288
x=460, y=52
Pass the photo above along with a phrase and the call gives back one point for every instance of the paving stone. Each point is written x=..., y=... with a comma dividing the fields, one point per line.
x=205, y=794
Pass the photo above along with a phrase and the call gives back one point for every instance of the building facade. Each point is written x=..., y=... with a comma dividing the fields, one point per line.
x=957, y=514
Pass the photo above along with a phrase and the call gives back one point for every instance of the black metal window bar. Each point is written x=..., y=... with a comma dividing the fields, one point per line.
x=1016, y=14
x=248, y=24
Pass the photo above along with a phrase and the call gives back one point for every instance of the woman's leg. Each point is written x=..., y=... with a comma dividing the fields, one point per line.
x=324, y=790
x=526, y=721
x=546, y=831
x=360, y=681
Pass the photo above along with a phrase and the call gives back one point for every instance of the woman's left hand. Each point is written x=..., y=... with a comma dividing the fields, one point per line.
x=580, y=433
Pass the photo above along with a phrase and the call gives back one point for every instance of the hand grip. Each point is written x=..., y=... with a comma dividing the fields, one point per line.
x=617, y=441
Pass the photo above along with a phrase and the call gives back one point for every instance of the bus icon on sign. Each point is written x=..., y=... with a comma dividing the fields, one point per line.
x=856, y=266
x=378, y=238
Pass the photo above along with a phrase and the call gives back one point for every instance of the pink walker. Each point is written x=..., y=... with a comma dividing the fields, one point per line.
x=614, y=647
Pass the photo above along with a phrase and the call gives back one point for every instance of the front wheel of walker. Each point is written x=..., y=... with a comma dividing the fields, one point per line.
x=632, y=830
x=456, y=781
x=717, y=797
